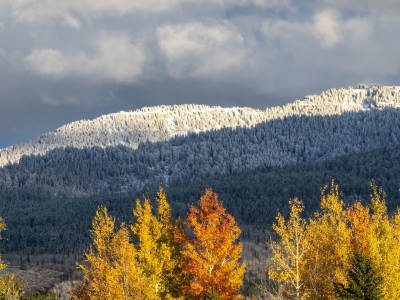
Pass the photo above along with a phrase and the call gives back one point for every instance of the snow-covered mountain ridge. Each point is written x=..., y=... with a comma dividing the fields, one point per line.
x=164, y=122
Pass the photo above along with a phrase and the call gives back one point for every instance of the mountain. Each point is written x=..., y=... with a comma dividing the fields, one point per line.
x=256, y=160
x=161, y=123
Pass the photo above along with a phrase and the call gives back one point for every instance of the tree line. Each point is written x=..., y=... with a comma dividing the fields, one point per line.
x=155, y=258
x=340, y=252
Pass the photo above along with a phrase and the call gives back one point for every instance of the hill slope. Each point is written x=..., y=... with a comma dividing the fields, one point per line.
x=161, y=123
x=256, y=160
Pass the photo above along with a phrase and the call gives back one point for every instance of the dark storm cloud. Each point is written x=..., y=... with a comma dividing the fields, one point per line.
x=62, y=61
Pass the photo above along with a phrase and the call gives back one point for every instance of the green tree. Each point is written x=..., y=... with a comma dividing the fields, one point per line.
x=364, y=282
x=212, y=294
x=39, y=296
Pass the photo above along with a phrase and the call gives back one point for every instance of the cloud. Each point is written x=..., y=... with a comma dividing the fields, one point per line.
x=68, y=11
x=71, y=10
x=392, y=6
x=116, y=60
x=326, y=28
x=72, y=22
x=197, y=50
x=283, y=29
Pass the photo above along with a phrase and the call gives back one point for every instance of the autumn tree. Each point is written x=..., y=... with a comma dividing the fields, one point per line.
x=360, y=226
x=10, y=286
x=328, y=252
x=110, y=267
x=211, y=256
x=288, y=261
x=2, y=227
x=383, y=244
x=158, y=251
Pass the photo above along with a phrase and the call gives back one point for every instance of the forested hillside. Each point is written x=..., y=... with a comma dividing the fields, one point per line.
x=256, y=160
x=163, y=122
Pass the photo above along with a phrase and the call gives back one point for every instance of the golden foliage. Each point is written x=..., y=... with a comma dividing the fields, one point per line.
x=2, y=227
x=211, y=259
x=288, y=262
x=328, y=245
x=158, y=251
x=383, y=244
x=310, y=255
x=111, y=270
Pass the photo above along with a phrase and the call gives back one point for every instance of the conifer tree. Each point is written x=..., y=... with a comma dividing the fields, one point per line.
x=211, y=258
x=364, y=282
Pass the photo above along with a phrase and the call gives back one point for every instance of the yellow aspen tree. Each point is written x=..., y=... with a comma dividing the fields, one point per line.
x=158, y=249
x=2, y=227
x=173, y=277
x=288, y=261
x=110, y=267
x=395, y=286
x=383, y=246
x=211, y=258
x=327, y=258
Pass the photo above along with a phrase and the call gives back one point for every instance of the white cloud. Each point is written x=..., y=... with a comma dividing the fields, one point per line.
x=326, y=28
x=117, y=60
x=69, y=11
x=42, y=10
x=195, y=49
x=72, y=22
x=283, y=29
x=392, y=6
x=274, y=4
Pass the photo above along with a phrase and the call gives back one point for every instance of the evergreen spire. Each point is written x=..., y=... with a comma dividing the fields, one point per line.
x=364, y=282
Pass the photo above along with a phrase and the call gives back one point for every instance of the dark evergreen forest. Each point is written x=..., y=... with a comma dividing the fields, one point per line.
x=48, y=201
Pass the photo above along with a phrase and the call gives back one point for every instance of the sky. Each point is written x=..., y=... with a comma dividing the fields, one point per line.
x=62, y=61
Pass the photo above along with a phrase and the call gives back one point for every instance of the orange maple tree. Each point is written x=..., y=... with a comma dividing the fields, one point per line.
x=211, y=258
x=360, y=221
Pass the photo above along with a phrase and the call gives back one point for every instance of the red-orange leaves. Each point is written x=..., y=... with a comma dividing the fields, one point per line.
x=360, y=220
x=211, y=258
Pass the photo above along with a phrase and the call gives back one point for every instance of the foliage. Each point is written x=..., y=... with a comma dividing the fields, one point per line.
x=158, y=252
x=39, y=296
x=110, y=268
x=212, y=294
x=211, y=257
x=328, y=245
x=116, y=269
x=364, y=282
x=11, y=287
x=2, y=228
x=288, y=263
x=313, y=256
